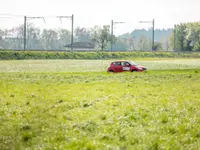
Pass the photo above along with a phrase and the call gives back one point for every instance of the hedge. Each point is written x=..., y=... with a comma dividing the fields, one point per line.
x=19, y=55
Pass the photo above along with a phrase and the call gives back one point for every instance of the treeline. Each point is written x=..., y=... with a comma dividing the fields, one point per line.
x=20, y=55
x=142, y=39
x=36, y=38
x=187, y=37
x=55, y=39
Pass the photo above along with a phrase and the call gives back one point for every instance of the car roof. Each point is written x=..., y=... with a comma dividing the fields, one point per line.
x=121, y=61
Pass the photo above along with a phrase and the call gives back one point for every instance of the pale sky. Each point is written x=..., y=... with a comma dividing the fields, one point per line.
x=88, y=13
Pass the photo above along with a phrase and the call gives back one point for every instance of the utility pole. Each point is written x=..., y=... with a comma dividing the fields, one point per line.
x=60, y=17
x=72, y=27
x=112, y=24
x=153, y=30
x=153, y=25
x=111, y=35
x=25, y=27
x=25, y=32
x=72, y=35
x=174, y=37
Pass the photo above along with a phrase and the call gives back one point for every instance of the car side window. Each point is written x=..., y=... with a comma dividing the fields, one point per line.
x=125, y=64
x=117, y=63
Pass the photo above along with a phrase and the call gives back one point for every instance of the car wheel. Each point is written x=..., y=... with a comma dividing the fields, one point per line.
x=111, y=71
x=133, y=70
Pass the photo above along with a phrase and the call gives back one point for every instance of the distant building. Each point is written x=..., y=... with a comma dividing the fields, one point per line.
x=81, y=46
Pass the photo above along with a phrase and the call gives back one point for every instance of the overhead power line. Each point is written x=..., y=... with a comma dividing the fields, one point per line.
x=112, y=24
x=11, y=15
x=153, y=26
x=26, y=18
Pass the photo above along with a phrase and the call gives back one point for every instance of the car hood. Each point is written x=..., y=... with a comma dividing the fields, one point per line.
x=139, y=66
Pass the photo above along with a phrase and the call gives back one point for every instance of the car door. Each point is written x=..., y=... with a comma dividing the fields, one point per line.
x=118, y=67
x=126, y=66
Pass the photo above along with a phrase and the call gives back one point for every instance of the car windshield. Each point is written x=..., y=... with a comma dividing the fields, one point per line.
x=133, y=63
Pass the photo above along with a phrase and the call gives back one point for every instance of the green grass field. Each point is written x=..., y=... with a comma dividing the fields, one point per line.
x=91, y=65
x=56, y=104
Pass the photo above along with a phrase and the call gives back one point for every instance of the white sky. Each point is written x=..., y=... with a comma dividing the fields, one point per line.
x=88, y=13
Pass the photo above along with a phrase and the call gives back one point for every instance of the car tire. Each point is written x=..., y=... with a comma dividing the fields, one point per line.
x=111, y=71
x=133, y=70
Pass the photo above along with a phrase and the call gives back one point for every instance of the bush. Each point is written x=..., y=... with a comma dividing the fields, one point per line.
x=19, y=55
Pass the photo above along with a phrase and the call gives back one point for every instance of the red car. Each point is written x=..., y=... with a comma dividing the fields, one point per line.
x=121, y=66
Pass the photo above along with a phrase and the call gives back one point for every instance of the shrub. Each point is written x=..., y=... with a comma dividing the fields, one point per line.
x=18, y=55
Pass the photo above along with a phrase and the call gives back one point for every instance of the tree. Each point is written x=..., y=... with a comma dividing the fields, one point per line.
x=171, y=42
x=2, y=42
x=101, y=36
x=181, y=36
x=187, y=37
x=64, y=37
x=83, y=34
x=33, y=37
x=158, y=46
x=119, y=44
x=143, y=43
x=50, y=39
x=131, y=43
x=14, y=37
x=193, y=36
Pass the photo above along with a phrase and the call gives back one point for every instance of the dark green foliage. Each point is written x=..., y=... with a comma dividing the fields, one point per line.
x=20, y=55
x=187, y=37
x=158, y=46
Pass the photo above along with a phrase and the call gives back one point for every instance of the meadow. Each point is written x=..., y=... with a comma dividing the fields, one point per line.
x=75, y=104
